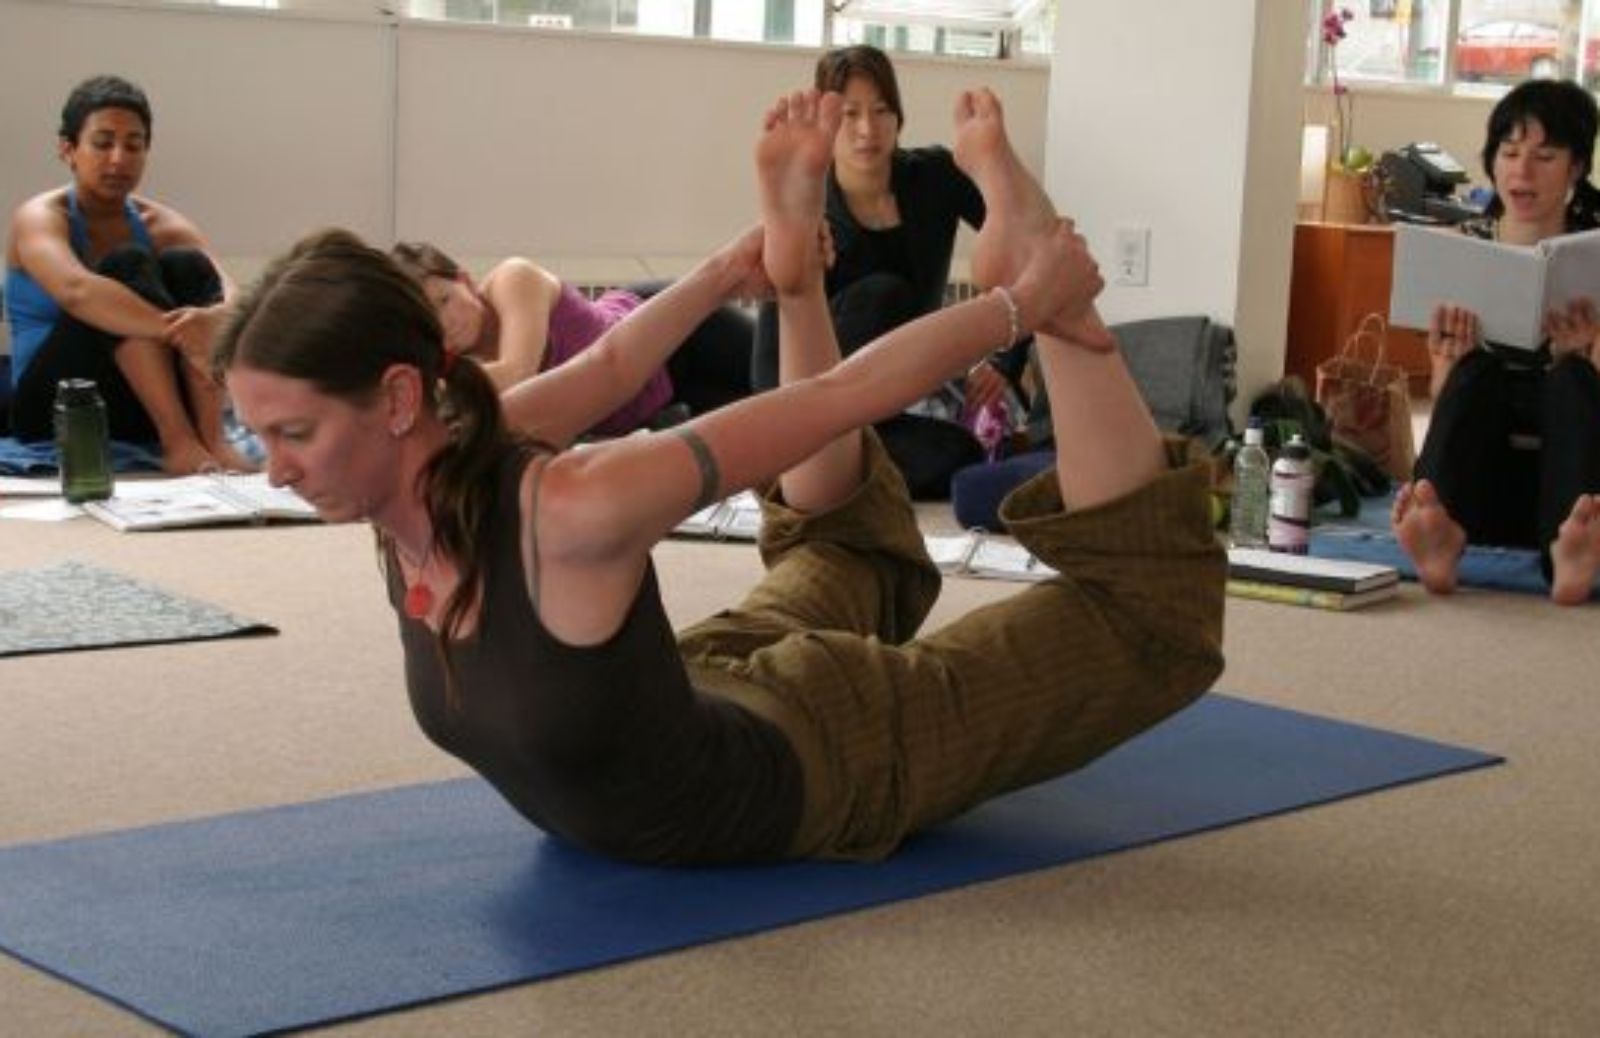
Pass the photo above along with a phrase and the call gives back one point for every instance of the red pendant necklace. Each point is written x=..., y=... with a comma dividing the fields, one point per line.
x=419, y=601
x=419, y=596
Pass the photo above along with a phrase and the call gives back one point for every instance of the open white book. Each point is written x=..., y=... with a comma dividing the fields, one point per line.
x=208, y=500
x=737, y=518
x=1509, y=287
x=978, y=553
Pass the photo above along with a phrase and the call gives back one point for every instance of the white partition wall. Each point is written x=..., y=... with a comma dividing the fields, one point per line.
x=581, y=145
x=264, y=125
x=1185, y=119
x=611, y=153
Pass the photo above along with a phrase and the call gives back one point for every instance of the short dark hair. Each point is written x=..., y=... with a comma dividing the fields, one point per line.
x=99, y=92
x=837, y=67
x=1565, y=110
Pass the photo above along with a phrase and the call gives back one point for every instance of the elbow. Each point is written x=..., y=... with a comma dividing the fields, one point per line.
x=73, y=296
x=573, y=520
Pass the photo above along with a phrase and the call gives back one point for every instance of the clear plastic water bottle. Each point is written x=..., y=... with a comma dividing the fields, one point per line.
x=1289, y=528
x=83, y=441
x=1247, y=526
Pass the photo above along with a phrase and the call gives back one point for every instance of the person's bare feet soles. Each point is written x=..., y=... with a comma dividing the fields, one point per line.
x=1431, y=539
x=792, y=156
x=1018, y=212
x=1575, y=555
x=1017, y=209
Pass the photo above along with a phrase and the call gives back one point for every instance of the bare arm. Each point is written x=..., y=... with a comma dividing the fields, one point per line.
x=558, y=405
x=602, y=509
x=44, y=250
x=523, y=296
x=191, y=329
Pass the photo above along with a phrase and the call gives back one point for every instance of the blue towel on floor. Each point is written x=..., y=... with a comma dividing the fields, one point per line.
x=39, y=458
x=1368, y=538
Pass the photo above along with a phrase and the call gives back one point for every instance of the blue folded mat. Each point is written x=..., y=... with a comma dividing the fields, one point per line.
x=311, y=913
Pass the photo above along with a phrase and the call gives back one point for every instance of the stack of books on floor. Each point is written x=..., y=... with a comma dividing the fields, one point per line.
x=1309, y=581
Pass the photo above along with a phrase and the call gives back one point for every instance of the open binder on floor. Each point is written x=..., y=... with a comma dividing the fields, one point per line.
x=979, y=553
x=737, y=518
x=139, y=505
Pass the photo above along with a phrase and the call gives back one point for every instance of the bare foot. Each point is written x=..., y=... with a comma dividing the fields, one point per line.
x=1018, y=214
x=1431, y=539
x=1576, y=552
x=792, y=156
x=230, y=460
x=1018, y=211
x=186, y=458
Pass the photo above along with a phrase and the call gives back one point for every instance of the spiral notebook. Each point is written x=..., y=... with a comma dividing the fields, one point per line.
x=205, y=500
x=979, y=553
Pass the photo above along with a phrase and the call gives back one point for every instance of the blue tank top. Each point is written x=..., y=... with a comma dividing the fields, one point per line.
x=30, y=310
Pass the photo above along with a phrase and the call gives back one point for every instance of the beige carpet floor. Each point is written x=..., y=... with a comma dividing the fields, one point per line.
x=1464, y=906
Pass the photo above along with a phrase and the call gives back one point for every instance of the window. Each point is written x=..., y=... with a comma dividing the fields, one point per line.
x=970, y=28
x=967, y=28
x=1468, y=46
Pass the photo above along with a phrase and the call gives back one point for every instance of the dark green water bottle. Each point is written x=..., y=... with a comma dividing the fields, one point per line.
x=83, y=441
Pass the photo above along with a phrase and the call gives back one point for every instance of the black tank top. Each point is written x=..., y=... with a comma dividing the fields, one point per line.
x=608, y=746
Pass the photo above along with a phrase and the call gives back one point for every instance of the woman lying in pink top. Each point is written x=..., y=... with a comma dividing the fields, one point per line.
x=521, y=319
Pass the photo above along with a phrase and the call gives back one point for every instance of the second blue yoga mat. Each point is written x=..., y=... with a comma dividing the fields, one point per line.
x=306, y=914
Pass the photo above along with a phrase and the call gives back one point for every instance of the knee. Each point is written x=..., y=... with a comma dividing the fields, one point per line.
x=871, y=306
x=130, y=264
x=190, y=276
x=1573, y=374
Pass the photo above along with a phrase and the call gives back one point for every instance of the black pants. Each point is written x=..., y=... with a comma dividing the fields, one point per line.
x=177, y=277
x=712, y=367
x=1503, y=492
x=862, y=311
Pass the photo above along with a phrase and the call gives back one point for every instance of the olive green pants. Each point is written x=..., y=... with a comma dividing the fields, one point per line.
x=895, y=733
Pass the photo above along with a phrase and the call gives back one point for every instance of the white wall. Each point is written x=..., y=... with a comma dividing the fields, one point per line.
x=602, y=155
x=612, y=156
x=1185, y=118
x=264, y=125
x=651, y=159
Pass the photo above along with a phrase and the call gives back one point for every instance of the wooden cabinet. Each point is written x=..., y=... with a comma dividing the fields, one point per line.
x=1342, y=272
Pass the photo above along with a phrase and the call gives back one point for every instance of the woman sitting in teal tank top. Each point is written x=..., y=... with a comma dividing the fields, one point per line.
x=107, y=285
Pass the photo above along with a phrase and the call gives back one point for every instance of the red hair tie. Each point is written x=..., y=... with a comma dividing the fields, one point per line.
x=448, y=364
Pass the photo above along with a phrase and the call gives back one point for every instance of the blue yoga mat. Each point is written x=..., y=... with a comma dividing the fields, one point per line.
x=307, y=914
x=1367, y=538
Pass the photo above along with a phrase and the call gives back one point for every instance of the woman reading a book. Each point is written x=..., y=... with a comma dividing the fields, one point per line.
x=806, y=721
x=1512, y=453
x=520, y=319
x=107, y=285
